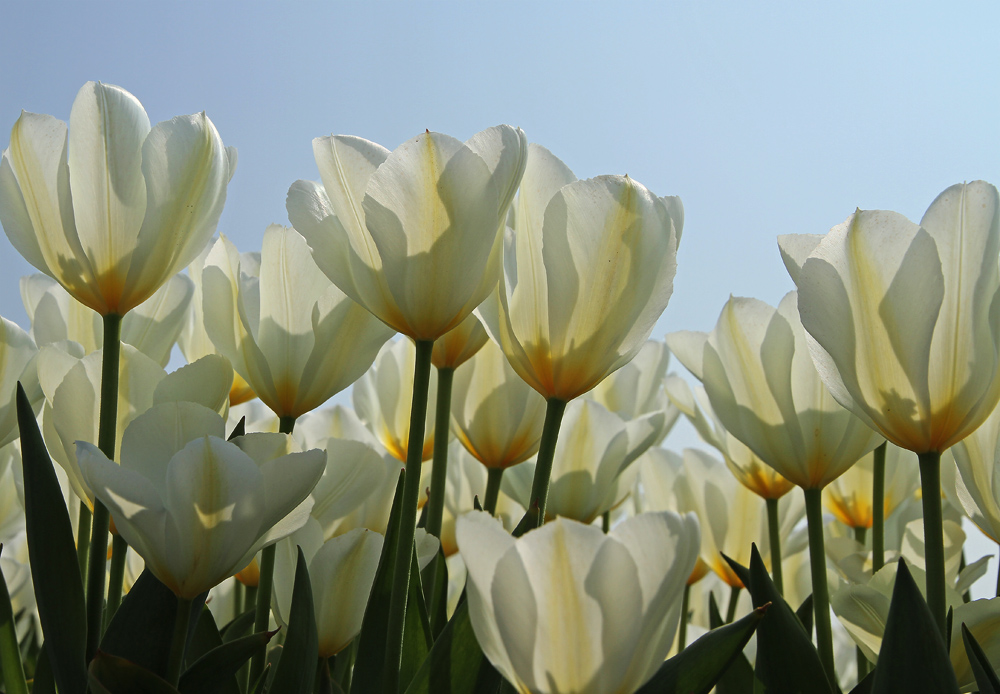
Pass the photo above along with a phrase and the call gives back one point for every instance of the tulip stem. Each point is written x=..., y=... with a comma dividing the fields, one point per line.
x=774, y=535
x=821, y=592
x=439, y=468
x=734, y=598
x=106, y=438
x=179, y=643
x=262, y=612
x=606, y=522
x=878, y=508
x=408, y=516
x=83, y=540
x=10, y=654
x=998, y=573
x=324, y=684
x=554, y=410
x=119, y=552
x=930, y=488
x=683, y=630
x=861, y=535
x=494, y=476
x=237, y=598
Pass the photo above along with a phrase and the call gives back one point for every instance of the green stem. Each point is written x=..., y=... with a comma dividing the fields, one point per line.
x=998, y=574
x=930, y=488
x=734, y=598
x=83, y=540
x=878, y=508
x=262, y=613
x=408, y=516
x=494, y=476
x=10, y=654
x=554, y=411
x=249, y=598
x=237, y=598
x=439, y=467
x=683, y=630
x=606, y=522
x=179, y=642
x=774, y=535
x=119, y=552
x=821, y=592
x=324, y=685
x=861, y=535
x=106, y=437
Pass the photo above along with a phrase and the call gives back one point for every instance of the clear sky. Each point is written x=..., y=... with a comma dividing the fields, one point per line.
x=766, y=120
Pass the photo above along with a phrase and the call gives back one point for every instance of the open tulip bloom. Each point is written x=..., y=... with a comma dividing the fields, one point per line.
x=904, y=329
x=566, y=608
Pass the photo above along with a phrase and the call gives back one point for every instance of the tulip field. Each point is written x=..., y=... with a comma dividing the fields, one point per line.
x=496, y=511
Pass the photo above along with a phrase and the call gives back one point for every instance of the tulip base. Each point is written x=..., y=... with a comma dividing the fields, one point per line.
x=930, y=489
x=821, y=592
x=878, y=508
x=554, y=410
x=408, y=515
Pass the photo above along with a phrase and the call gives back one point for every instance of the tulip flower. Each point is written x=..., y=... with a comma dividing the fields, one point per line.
x=415, y=236
x=849, y=497
x=292, y=335
x=194, y=506
x=112, y=208
x=903, y=329
x=566, y=608
x=17, y=352
x=193, y=339
x=152, y=327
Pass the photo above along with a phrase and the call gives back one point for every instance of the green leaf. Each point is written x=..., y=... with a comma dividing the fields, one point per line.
x=55, y=570
x=738, y=677
x=417, y=639
x=143, y=627
x=697, y=668
x=238, y=627
x=529, y=521
x=455, y=664
x=43, y=682
x=986, y=676
x=215, y=671
x=204, y=636
x=370, y=662
x=742, y=572
x=296, y=670
x=110, y=674
x=437, y=604
x=240, y=429
x=913, y=657
x=805, y=614
x=787, y=661
x=865, y=685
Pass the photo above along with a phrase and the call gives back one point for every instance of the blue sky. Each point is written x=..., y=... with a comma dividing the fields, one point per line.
x=765, y=119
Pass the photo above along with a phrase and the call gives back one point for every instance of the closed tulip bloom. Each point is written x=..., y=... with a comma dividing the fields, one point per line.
x=152, y=327
x=495, y=414
x=764, y=388
x=195, y=506
x=566, y=608
x=413, y=235
x=382, y=398
x=587, y=271
x=294, y=337
x=901, y=318
x=977, y=484
x=459, y=344
x=17, y=353
x=849, y=497
x=112, y=208
x=763, y=480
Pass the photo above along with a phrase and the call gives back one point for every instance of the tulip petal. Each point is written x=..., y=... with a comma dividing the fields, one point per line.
x=205, y=381
x=153, y=326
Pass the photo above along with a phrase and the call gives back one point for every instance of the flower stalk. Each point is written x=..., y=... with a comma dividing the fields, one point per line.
x=119, y=551
x=408, y=514
x=774, y=536
x=554, y=410
x=878, y=508
x=106, y=437
x=179, y=642
x=930, y=488
x=821, y=592
x=494, y=476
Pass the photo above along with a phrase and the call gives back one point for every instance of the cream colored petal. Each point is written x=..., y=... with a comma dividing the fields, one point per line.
x=354, y=471
x=505, y=151
x=676, y=210
x=186, y=170
x=205, y=381
x=56, y=316
x=688, y=346
x=308, y=538
x=459, y=344
x=107, y=129
x=17, y=351
x=153, y=326
x=795, y=249
x=432, y=211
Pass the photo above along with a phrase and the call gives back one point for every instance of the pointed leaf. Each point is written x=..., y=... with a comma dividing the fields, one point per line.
x=697, y=668
x=738, y=677
x=368, y=668
x=913, y=657
x=215, y=671
x=865, y=685
x=44, y=682
x=742, y=572
x=204, y=637
x=55, y=572
x=417, y=638
x=110, y=674
x=238, y=627
x=455, y=664
x=986, y=676
x=296, y=671
x=240, y=429
x=805, y=614
x=787, y=661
